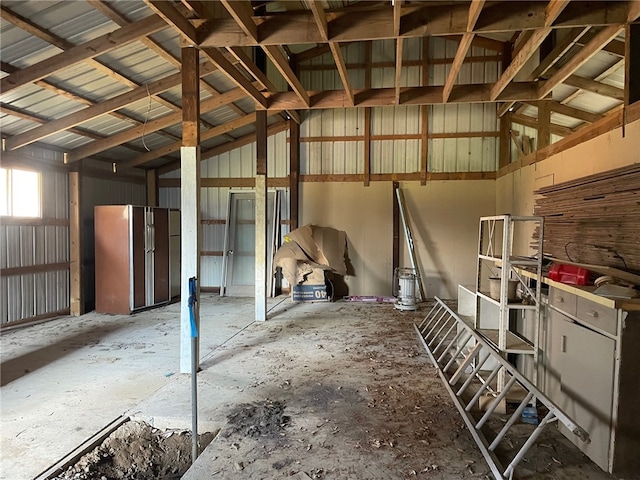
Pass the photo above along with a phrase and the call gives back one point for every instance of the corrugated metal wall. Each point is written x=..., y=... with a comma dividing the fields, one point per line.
x=239, y=163
x=447, y=152
x=29, y=295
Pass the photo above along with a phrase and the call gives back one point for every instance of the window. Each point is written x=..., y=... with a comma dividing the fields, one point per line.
x=19, y=193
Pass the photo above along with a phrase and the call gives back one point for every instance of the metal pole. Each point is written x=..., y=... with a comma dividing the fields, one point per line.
x=409, y=237
x=193, y=298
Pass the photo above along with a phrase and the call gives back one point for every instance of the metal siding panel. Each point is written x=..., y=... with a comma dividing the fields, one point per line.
x=4, y=300
x=27, y=288
x=435, y=156
x=450, y=149
x=339, y=158
x=26, y=246
x=41, y=289
x=4, y=245
x=489, y=154
x=14, y=298
x=13, y=246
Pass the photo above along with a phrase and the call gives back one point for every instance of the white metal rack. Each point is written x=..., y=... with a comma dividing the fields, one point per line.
x=511, y=335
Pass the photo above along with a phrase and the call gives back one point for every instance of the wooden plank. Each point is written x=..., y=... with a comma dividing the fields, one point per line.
x=437, y=19
x=321, y=19
x=463, y=48
x=561, y=47
x=595, y=87
x=395, y=257
x=171, y=16
x=76, y=270
x=152, y=187
x=398, y=68
x=544, y=124
x=218, y=59
x=151, y=126
x=518, y=61
x=175, y=146
x=79, y=53
x=568, y=111
x=190, y=97
x=294, y=173
x=242, y=12
x=579, y=59
x=261, y=142
x=505, y=141
x=42, y=268
x=342, y=70
x=251, y=67
x=367, y=146
x=282, y=64
x=424, y=119
x=632, y=64
x=100, y=108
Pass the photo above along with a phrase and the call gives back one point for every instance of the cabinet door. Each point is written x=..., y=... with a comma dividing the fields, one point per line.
x=585, y=361
x=160, y=255
x=137, y=256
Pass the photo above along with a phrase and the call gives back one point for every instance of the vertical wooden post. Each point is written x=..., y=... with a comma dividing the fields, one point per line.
x=76, y=290
x=544, y=125
x=189, y=200
x=395, y=262
x=424, y=113
x=152, y=187
x=261, y=217
x=505, y=140
x=294, y=173
x=367, y=146
x=632, y=64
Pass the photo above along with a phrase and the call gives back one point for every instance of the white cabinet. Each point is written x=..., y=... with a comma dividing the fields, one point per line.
x=591, y=366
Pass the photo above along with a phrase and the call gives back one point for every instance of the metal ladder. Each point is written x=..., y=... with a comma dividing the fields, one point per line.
x=459, y=353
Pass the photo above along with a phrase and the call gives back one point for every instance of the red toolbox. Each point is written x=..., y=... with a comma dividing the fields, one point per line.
x=569, y=274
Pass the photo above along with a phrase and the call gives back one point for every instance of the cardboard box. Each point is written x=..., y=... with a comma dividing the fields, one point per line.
x=307, y=254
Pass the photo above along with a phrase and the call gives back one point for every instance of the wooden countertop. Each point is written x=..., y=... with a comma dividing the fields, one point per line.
x=631, y=305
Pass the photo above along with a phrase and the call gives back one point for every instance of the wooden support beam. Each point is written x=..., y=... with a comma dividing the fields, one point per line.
x=568, y=111
x=282, y=64
x=505, y=140
x=173, y=17
x=594, y=87
x=261, y=218
x=518, y=61
x=367, y=146
x=424, y=119
x=579, y=59
x=544, y=125
x=561, y=47
x=533, y=123
x=190, y=226
x=76, y=270
x=100, y=108
x=152, y=187
x=249, y=65
x=152, y=126
x=85, y=51
x=294, y=174
x=399, y=44
x=321, y=19
x=395, y=256
x=342, y=71
x=218, y=59
x=632, y=64
x=242, y=13
x=463, y=48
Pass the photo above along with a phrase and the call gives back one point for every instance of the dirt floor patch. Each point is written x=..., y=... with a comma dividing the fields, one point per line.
x=264, y=419
x=137, y=451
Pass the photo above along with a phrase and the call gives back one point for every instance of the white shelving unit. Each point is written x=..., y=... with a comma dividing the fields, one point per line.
x=514, y=335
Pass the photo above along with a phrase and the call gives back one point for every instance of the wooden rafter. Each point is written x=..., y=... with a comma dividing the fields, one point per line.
x=579, y=59
x=594, y=87
x=294, y=28
x=569, y=111
x=173, y=17
x=342, y=71
x=218, y=59
x=79, y=53
x=150, y=127
x=282, y=64
x=100, y=108
x=399, y=48
x=463, y=48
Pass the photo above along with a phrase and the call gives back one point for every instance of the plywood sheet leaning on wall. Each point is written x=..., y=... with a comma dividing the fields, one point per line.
x=594, y=219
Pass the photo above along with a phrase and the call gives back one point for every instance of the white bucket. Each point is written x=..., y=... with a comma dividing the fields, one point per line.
x=494, y=288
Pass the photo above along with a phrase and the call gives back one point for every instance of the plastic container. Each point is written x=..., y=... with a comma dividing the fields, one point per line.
x=569, y=274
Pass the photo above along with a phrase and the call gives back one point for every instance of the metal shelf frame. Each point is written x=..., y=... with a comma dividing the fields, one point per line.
x=496, y=251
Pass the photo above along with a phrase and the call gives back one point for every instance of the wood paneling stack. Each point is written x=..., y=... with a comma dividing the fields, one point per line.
x=594, y=219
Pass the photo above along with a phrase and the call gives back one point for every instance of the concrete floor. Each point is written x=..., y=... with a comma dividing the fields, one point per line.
x=364, y=401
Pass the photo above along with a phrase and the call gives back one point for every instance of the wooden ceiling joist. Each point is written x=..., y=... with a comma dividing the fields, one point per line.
x=299, y=27
x=100, y=108
x=579, y=59
x=150, y=127
x=79, y=53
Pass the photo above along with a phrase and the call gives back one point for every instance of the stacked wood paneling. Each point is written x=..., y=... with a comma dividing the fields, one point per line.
x=594, y=219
